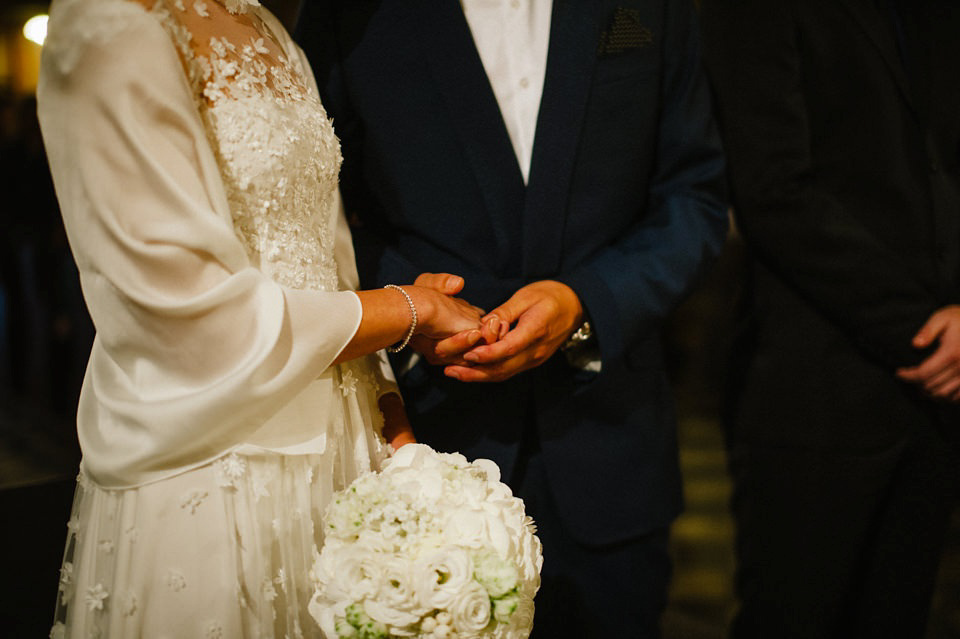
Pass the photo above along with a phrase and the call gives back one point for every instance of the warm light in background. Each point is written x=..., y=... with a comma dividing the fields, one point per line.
x=35, y=29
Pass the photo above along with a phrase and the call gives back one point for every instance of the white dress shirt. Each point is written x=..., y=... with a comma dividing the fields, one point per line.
x=512, y=37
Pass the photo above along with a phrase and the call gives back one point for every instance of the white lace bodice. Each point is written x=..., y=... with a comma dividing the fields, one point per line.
x=276, y=147
x=277, y=152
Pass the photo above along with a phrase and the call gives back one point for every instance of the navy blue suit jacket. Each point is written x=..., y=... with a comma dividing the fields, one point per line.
x=625, y=203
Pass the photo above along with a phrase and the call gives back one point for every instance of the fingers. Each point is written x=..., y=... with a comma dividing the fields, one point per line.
x=496, y=372
x=939, y=374
x=442, y=282
x=511, y=310
x=946, y=357
x=930, y=331
x=492, y=329
x=514, y=342
x=456, y=345
x=946, y=387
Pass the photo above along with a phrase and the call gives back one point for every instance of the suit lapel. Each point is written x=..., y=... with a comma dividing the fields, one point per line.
x=877, y=28
x=574, y=37
x=462, y=82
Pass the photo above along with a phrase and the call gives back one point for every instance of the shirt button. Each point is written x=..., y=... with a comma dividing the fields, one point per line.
x=524, y=83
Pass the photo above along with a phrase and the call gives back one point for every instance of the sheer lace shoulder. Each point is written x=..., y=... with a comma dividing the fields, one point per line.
x=279, y=156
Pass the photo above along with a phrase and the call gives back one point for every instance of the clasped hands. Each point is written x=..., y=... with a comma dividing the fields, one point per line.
x=520, y=334
x=939, y=373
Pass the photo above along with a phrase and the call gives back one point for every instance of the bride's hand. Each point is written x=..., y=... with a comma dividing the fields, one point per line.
x=447, y=350
x=396, y=427
x=440, y=315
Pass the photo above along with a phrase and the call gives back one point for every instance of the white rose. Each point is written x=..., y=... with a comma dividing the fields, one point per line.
x=470, y=609
x=439, y=576
x=465, y=527
x=358, y=574
x=396, y=589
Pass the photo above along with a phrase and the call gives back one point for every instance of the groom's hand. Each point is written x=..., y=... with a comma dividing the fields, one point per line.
x=939, y=374
x=542, y=316
x=450, y=350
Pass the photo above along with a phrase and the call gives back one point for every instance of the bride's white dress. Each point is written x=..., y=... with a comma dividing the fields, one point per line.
x=197, y=173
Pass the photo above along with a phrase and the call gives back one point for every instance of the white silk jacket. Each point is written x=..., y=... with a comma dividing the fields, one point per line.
x=197, y=178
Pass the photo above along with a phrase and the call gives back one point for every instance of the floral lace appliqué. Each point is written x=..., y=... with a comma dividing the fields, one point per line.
x=230, y=470
x=96, y=597
x=176, y=581
x=278, y=155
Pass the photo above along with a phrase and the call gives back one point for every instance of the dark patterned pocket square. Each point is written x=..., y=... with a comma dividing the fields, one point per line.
x=625, y=32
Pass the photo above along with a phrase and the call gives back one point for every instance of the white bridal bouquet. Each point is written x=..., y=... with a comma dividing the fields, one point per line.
x=433, y=547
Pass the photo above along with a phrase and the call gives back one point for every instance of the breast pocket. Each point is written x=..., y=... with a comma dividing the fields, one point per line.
x=639, y=66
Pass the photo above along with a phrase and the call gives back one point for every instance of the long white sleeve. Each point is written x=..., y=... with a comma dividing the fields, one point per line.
x=195, y=347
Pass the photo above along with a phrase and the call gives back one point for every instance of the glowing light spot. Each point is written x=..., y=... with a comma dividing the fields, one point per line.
x=35, y=30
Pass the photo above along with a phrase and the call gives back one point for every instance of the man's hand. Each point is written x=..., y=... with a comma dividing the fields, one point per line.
x=531, y=326
x=939, y=374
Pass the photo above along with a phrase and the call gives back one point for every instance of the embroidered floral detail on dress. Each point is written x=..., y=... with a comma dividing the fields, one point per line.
x=74, y=525
x=240, y=6
x=269, y=592
x=348, y=383
x=96, y=596
x=214, y=631
x=105, y=546
x=230, y=470
x=175, y=580
x=59, y=631
x=192, y=500
x=66, y=577
x=260, y=479
x=128, y=605
x=277, y=152
x=201, y=8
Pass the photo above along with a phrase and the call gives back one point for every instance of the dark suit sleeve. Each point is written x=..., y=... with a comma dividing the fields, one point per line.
x=631, y=286
x=795, y=226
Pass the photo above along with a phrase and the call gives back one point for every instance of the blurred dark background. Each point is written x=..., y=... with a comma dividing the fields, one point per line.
x=45, y=335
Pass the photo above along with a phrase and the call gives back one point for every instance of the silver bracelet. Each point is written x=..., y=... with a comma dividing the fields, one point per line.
x=399, y=346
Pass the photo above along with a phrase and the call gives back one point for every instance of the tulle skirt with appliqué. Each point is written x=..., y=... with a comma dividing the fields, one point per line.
x=223, y=551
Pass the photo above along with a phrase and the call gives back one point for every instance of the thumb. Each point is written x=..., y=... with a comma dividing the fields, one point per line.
x=929, y=332
x=441, y=282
